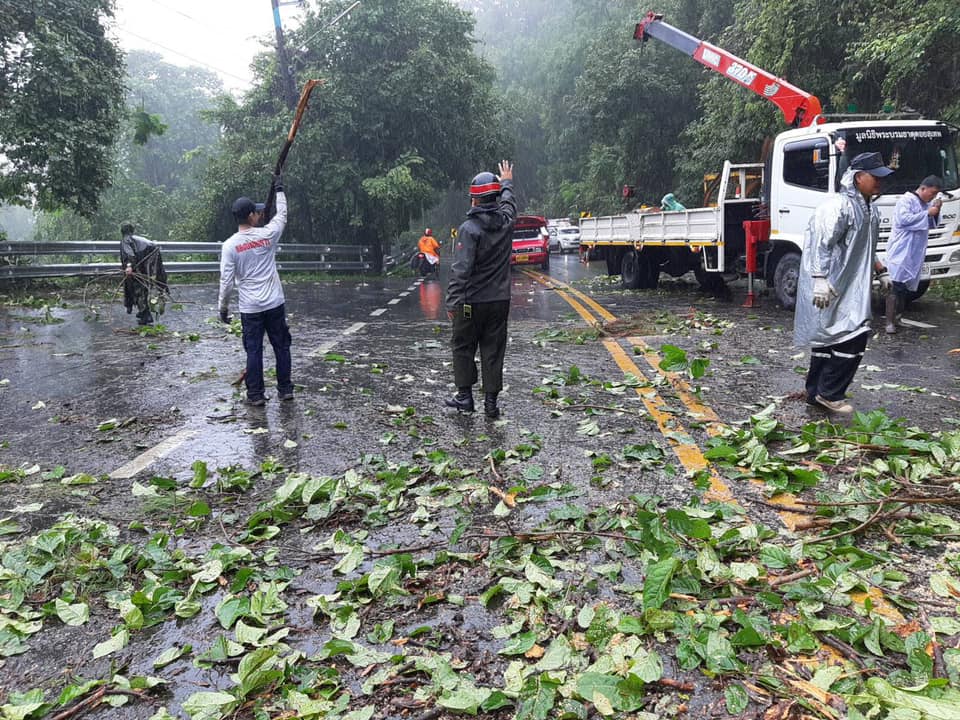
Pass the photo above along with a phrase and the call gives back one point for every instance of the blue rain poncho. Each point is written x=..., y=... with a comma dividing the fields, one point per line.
x=908, y=240
x=840, y=244
x=670, y=203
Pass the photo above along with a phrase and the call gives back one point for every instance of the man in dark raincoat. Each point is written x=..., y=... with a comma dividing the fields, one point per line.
x=143, y=269
x=478, y=294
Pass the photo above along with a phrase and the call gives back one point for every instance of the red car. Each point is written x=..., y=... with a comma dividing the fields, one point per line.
x=531, y=242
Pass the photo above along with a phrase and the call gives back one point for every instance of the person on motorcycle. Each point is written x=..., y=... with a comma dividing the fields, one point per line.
x=430, y=248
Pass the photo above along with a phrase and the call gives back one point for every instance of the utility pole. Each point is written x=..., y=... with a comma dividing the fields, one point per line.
x=283, y=60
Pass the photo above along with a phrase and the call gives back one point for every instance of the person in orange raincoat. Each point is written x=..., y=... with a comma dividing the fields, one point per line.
x=430, y=248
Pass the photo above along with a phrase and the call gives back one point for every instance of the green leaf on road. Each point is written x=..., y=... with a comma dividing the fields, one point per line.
x=76, y=614
x=119, y=641
x=737, y=698
x=656, y=584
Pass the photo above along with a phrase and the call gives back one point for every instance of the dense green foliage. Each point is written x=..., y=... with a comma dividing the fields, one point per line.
x=600, y=111
x=61, y=100
x=421, y=94
x=406, y=110
x=157, y=162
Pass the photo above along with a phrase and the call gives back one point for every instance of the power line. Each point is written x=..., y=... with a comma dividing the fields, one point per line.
x=180, y=12
x=183, y=55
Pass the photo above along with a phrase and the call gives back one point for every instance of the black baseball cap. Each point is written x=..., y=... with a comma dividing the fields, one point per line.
x=243, y=206
x=871, y=163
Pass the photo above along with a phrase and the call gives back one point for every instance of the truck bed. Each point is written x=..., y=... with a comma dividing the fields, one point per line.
x=696, y=227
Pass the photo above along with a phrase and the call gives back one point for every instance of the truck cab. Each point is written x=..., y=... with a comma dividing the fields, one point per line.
x=806, y=166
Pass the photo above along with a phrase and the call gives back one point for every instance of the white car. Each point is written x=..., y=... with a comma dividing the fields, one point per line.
x=554, y=238
x=569, y=238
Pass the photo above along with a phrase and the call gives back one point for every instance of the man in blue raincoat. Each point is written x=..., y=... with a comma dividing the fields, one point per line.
x=836, y=275
x=914, y=216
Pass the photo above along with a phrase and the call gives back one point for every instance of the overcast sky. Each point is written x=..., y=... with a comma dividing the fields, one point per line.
x=222, y=35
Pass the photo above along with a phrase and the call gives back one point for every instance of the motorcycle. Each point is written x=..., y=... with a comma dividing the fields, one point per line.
x=424, y=267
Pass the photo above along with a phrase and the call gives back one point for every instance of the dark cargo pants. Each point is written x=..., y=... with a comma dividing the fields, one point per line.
x=486, y=329
x=832, y=368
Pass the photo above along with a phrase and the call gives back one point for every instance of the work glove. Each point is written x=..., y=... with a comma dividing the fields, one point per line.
x=886, y=282
x=823, y=292
x=225, y=316
x=277, y=179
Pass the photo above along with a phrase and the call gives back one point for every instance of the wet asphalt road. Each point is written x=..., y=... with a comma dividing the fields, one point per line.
x=363, y=349
x=371, y=364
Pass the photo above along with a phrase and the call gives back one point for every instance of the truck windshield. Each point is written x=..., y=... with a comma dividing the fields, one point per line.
x=526, y=234
x=913, y=152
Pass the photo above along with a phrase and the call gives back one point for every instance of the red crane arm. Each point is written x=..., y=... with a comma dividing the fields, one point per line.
x=799, y=107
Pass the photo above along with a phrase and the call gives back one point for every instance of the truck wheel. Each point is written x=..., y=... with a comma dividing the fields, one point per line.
x=786, y=277
x=614, y=258
x=709, y=281
x=546, y=263
x=649, y=269
x=631, y=271
x=919, y=292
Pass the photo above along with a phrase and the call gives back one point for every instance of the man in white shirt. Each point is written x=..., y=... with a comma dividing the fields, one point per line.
x=248, y=260
x=914, y=216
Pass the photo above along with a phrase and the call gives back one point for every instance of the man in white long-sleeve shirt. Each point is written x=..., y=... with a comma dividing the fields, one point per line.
x=914, y=216
x=248, y=260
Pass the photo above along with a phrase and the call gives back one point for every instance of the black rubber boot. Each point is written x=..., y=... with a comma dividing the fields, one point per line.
x=490, y=408
x=462, y=401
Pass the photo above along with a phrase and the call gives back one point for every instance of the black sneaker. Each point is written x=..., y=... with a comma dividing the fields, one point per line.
x=490, y=408
x=285, y=396
x=257, y=402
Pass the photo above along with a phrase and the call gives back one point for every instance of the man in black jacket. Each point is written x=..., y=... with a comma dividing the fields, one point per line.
x=478, y=295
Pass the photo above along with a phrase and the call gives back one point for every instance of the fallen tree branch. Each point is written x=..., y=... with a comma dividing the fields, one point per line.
x=853, y=531
x=88, y=703
x=848, y=651
x=784, y=579
x=493, y=469
x=905, y=500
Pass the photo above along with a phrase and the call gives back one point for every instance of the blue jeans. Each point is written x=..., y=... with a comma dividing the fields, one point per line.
x=274, y=323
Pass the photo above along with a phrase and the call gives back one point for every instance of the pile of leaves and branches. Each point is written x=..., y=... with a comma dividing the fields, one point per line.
x=427, y=588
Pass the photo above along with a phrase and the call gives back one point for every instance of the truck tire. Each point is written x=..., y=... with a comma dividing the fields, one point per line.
x=631, y=271
x=919, y=292
x=546, y=263
x=786, y=277
x=614, y=258
x=649, y=269
x=711, y=282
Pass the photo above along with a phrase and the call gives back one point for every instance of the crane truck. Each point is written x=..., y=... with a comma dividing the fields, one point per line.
x=756, y=228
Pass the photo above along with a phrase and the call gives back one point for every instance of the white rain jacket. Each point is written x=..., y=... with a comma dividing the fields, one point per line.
x=840, y=244
x=908, y=241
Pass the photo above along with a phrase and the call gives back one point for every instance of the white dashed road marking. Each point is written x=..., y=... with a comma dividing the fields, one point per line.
x=394, y=301
x=379, y=311
x=324, y=348
x=144, y=460
x=916, y=323
x=356, y=327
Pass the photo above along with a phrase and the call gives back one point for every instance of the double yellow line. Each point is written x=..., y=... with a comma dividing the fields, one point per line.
x=683, y=445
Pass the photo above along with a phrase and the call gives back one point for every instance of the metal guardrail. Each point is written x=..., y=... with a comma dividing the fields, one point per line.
x=342, y=258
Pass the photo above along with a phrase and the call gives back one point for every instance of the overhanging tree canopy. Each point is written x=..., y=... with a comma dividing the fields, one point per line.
x=406, y=109
x=61, y=102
